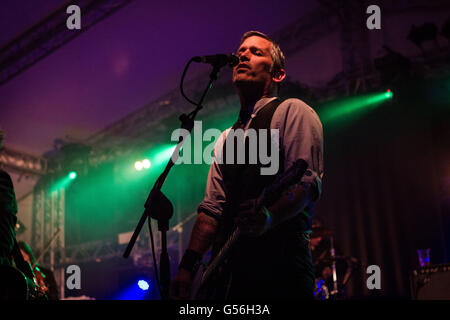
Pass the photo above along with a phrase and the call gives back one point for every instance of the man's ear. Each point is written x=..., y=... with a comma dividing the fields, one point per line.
x=279, y=76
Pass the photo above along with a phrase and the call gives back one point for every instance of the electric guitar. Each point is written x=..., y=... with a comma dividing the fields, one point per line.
x=270, y=194
x=15, y=285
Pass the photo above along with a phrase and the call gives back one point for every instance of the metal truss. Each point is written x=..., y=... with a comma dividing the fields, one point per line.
x=131, y=132
x=22, y=162
x=47, y=217
x=109, y=249
x=91, y=251
x=307, y=30
x=104, y=250
x=101, y=251
x=51, y=33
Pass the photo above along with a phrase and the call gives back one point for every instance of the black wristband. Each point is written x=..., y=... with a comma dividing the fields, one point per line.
x=191, y=261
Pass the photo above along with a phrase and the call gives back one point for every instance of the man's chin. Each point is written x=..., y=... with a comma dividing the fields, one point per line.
x=244, y=82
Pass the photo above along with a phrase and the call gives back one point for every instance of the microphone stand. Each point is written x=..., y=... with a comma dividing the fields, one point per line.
x=158, y=206
x=333, y=256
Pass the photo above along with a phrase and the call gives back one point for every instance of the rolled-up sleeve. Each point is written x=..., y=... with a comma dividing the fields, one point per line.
x=301, y=136
x=215, y=195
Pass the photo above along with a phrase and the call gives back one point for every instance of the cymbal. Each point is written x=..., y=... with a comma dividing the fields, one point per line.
x=321, y=232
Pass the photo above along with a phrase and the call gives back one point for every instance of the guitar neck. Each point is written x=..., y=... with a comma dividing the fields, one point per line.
x=223, y=253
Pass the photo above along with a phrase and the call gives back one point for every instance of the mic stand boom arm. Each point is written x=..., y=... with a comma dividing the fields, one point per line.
x=158, y=206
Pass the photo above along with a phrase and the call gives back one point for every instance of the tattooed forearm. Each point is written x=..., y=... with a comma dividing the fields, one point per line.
x=292, y=201
x=203, y=233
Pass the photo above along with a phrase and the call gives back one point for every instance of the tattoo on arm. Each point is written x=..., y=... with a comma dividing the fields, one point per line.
x=203, y=233
x=293, y=200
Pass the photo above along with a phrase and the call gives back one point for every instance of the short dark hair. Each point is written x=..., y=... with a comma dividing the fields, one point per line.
x=275, y=52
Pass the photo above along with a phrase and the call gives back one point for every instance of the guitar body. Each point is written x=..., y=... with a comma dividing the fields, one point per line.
x=14, y=285
x=215, y=287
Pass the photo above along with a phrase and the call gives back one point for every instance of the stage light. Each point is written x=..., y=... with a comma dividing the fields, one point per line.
x=343, y=108
x=143, y=285
x=146, y=163
x=72, y=175
x=64, y=181
x=389, y=94
x=138, y=165
x=163, y=154
x=135, y=290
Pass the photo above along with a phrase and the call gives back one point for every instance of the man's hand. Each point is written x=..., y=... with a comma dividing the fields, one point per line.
x=251, y=220
x=181, y=285
x=202, y=236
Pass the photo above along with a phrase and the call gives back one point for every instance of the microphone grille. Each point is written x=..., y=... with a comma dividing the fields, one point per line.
x=233, y=60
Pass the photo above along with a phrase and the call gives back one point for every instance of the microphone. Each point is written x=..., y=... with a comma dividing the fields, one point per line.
x=218, y=60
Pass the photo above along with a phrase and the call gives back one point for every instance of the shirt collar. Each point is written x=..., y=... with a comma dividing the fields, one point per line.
x=260, y=104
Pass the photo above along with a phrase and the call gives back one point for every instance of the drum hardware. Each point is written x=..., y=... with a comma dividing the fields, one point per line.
x=331, y=285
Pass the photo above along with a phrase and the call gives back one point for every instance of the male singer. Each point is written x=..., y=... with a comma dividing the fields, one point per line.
x=272, y=259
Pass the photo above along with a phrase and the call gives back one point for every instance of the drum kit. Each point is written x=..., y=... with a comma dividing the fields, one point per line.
x=332, y=271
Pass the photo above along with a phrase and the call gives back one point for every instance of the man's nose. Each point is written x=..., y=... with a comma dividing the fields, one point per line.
x=244, y=56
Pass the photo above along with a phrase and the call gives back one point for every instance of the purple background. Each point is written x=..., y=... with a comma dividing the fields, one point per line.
x=132, y=57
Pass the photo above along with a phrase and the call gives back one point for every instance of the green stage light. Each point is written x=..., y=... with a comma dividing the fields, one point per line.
x=64, y=181
x=389, y=94
x=138, y=165
x=146, y=163
x=343, y=108
x=72, y=175
x=163, y=154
